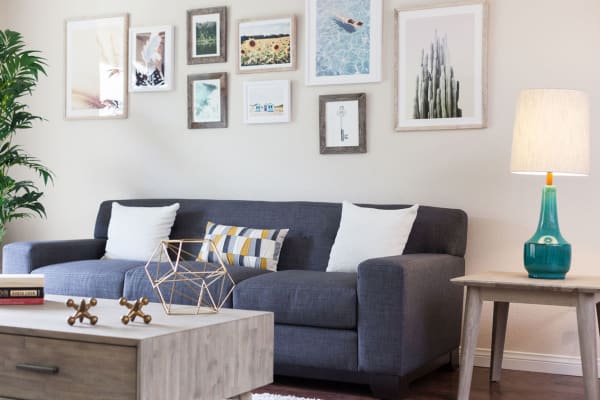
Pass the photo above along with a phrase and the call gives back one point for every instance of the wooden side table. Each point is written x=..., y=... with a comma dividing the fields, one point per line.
x=503, y=288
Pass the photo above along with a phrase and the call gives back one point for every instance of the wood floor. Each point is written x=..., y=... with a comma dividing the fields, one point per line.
x=443, y=385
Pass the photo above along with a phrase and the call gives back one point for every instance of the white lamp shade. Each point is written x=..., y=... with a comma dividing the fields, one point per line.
x=551, y=133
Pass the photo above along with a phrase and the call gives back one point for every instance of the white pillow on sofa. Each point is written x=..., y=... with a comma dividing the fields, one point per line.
x=134, y=232
x=366, y=233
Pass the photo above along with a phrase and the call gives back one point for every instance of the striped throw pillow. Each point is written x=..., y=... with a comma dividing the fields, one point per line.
x=246, y=247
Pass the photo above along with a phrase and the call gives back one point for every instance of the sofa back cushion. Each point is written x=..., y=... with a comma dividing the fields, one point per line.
x=312, y=225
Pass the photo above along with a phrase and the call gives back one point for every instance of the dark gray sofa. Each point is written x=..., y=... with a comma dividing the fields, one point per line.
x=394, y=320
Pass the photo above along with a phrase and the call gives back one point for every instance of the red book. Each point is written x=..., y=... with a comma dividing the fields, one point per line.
x=21, y=300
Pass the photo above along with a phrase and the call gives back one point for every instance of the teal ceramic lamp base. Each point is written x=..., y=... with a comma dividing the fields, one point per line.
x=547, y=255
x=547, y=261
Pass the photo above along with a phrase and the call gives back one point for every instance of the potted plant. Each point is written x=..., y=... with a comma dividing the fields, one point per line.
x=19, y=73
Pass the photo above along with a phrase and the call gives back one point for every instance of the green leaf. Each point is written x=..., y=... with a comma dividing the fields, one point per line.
x=19, y=72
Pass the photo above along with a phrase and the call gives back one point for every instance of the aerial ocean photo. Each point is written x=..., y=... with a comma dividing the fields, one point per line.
x=343, y=32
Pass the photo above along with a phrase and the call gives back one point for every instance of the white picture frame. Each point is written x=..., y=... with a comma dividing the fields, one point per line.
x=151, y=58
x=267, y=102
x=96, y=67
x=335, y=29
x=453, y=37
x=266, y=44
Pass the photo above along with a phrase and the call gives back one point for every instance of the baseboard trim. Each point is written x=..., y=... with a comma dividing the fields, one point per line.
x=534, y=362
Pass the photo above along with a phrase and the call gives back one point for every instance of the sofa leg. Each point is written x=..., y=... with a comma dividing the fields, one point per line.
x=389, y=387
x=453, y=364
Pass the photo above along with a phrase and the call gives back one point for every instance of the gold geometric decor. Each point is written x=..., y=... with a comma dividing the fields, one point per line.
x=184, y=285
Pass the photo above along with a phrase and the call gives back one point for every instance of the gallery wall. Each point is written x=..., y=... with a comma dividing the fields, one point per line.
x=153, y=154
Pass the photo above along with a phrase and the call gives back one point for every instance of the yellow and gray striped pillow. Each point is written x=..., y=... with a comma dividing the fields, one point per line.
x=247, y=247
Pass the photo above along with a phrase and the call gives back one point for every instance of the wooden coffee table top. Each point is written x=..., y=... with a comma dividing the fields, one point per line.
x=50, y=320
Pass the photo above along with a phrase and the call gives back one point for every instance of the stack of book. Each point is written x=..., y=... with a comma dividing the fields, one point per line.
x=21, y=289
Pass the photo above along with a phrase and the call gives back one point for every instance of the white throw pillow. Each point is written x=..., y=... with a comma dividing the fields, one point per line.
x=366, y=233
x=134, y=232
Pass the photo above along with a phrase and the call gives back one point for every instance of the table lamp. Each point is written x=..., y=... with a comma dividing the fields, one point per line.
x=551, y=136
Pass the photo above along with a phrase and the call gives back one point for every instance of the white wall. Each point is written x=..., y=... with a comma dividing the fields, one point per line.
x=532, y=43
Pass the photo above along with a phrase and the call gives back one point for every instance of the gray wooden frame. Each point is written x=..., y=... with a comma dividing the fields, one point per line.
x=362, y=123
x=125, y=113
x=484, y=33
x=222, y=76
x=275, y=67
x=222, y=11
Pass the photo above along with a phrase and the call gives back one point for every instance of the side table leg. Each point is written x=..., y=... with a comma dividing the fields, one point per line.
x=469, y=341
x=498, y=336
x=586, y=325
x=598, y=314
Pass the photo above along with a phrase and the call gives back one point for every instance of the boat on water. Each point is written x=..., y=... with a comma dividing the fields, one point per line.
x=347, y=23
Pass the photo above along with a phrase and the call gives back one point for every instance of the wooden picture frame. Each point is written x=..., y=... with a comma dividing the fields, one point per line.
x=207, y=101
x=343, y=123
x=207, y=35
x=266, y=44
x=96, y=67
x=267, y=102
x=151, y=59
x=441, y=66
x=343, y=41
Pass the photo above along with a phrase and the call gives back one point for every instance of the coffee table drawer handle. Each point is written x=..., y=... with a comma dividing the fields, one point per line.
x=44, y=369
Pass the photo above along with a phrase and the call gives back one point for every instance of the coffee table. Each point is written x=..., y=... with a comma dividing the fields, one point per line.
x=184, y=357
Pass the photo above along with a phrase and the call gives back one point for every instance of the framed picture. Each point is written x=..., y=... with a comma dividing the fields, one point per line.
x=267, y=45
x=207, y=35
x=151, y=59
x=267, y=102
x=343, y=41
x=96, y=67
x=342, y=123
x=441, y=67
x=207, y=101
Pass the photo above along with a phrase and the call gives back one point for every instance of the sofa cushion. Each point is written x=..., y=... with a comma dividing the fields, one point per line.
x=135, y=232
x=87, y=278
x=305, y=298
x=246, y=247
x=137, y=284
x=367, y=233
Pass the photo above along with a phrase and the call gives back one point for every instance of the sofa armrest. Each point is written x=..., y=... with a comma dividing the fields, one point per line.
x=408, y=311
x=24, y=257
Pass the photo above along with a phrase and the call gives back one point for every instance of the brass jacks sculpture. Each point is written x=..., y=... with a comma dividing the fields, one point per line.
x=135, y=310
x=82, y=311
